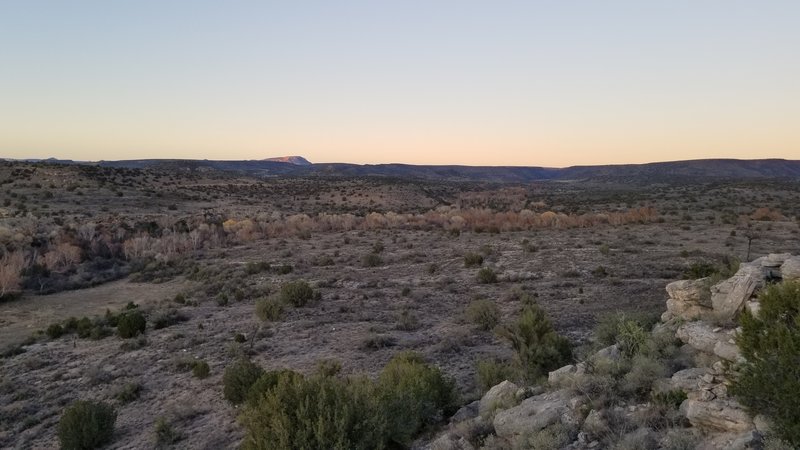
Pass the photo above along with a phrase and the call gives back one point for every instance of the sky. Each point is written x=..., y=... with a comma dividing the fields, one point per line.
x=528, y=83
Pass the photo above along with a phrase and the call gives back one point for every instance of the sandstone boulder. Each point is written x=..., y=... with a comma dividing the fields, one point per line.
x=532, y=414
x=557, y=376
x=728, y=297
x=790, y=270
x=726, y=416
x=700, y=336
x=689, y=299
x=502, y=395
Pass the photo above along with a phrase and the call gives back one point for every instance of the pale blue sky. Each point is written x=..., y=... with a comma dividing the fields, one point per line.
x=550, y=83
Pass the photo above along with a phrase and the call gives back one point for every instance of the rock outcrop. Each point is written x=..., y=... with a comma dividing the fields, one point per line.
x=701, y=316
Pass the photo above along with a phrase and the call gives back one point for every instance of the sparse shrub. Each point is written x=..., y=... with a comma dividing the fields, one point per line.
x=55, y=331
x=239, y=337
x=604, y=249
x=128, y=393
x=180, y=299
x=491, y=372
x=668, y=399
x=296, y=293
x=130, y=324
x=487, y=276
x=328, y=368
x=253, y=268
x=238, y=378
x=269, y=309
x=407, y=321
x=86, y=425
x=200, y=369
x=644, y=371
x=371, y=260
x=483, y=313
x=539, y=349
x=166, y=434
x=769, y=381
x=600, y=272
x=379, y=341
x=473, y=260
x=699, y=270
x=168, y=318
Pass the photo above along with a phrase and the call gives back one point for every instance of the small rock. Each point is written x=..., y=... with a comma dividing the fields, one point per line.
x=717, y=415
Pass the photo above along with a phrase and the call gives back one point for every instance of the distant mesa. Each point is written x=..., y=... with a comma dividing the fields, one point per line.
x=296, y=160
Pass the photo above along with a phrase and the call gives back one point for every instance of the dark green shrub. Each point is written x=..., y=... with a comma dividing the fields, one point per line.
x=473, y=260
x=539, y=349
x=55, y=331
x=413, y=395
x=483, y=313
x=487, y=276
x=316, y=413
x=768, y=382
x=269, y=309
x=238, y=378
x=86, y=425
x=130, y=324
x=296, y=293
x=286, y=410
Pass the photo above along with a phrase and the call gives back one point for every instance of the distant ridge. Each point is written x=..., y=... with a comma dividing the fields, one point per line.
x=296, y=160
x=699, y=170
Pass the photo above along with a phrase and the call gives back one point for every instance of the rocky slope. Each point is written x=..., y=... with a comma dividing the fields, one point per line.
x=687, y=403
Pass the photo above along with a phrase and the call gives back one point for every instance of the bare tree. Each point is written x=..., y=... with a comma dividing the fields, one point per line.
x=11, y=265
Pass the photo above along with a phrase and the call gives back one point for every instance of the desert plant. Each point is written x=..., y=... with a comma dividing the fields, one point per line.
x=539, y=348
x=128, y=393
x=55, y=331
x=631, y=337
x=165, y=433
x=407, y=321
x=413, y=394
x=130, y=324
x=487, y=276
x=86, y=425
x=473, y=260
x=491, y=372
x=269, y=309
x=296, y=293
x=238, y=378
x=769, y=381
x=200, y=369
x=371, y=260
x=483, y=313
x=315, y=412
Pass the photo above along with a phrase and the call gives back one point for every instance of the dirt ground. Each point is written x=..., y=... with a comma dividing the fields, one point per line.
x=357, y=303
